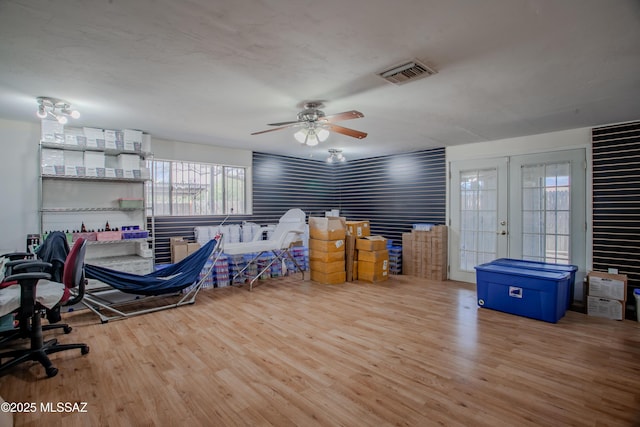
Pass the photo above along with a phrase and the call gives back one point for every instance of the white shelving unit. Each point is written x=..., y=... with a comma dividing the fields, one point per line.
x=74, y=195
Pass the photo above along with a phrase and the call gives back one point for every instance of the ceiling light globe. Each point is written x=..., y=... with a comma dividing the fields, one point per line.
x=42, y=113
x=75, y=114
x=301, y=136
x=323, y=134
x=312, y=141
x=62, y=120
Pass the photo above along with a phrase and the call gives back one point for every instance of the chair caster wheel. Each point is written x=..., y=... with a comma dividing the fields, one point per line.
x=67, y=329
x=52, y=372
x=85, y=349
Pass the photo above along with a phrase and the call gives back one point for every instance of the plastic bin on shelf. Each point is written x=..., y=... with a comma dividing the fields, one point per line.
x=130, y=203
x=538, y=294
x=545, y=266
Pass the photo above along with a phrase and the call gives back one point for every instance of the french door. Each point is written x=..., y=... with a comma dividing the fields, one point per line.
x=527, y=207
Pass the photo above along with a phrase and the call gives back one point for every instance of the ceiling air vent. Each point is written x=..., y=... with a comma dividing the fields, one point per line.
x=407, y=72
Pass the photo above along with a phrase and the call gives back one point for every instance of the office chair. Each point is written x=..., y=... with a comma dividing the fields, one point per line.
x=31, y=307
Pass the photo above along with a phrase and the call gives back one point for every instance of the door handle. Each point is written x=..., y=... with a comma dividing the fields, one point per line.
x=502, y=233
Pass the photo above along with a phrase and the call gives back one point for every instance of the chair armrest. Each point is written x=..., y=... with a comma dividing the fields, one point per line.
x=27, y=276
x=28, y=266
x=17, y=255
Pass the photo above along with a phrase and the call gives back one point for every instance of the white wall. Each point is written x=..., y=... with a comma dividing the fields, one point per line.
x=19, y=143
x=176, y=150
x=541, y=143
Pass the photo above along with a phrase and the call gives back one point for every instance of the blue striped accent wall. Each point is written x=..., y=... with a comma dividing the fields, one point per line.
x=392, y=192
x=616, y=202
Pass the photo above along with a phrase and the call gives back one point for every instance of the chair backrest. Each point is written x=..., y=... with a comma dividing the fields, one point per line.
x=290, y=228
x=73, y=272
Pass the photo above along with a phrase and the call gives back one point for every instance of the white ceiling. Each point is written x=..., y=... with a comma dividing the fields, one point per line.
x=212, y=72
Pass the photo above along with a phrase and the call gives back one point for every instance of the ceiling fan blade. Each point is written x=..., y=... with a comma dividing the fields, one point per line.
x=283, y=123
x=271, y=130
x=347, y=115
x=345, y=131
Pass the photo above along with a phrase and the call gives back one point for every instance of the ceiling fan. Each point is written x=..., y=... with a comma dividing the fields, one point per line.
x=315, y=125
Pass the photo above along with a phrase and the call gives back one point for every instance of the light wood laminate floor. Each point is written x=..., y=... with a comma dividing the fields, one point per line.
x=407, y=352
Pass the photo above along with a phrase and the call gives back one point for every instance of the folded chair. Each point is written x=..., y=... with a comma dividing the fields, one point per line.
x=289, y=230
x=35, y=294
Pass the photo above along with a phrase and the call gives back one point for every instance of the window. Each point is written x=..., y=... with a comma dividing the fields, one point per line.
x=188, y=188
x=546, y=212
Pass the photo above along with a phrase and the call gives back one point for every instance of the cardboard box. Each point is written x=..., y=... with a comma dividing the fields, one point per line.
x=327, y=267
x=425, y=253
x=358, y=228
x=373, y=271
x=327, y=228
x=326, y=245
x=316, y=255
x=373, y=256
x=328, y=278
x=407, y=254
x=181, y=248
x=371, y=243
x=605, y=307
x=610, y=286
x=350, y=256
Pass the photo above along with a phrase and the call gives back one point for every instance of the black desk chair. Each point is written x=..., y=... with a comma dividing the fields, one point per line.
x=31, y=311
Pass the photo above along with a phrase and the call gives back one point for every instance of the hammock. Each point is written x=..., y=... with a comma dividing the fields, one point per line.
x=183, y=276
x=171, y=279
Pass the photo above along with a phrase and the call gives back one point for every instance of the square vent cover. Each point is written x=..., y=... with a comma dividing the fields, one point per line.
x=407, y=72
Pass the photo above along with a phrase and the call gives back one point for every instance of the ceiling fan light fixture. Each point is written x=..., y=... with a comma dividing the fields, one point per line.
x=311, y=136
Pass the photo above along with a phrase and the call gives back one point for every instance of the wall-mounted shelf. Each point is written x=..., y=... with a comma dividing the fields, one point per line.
x=93, y=178
x=106, y=151
x=78, y=209
x=115, y=242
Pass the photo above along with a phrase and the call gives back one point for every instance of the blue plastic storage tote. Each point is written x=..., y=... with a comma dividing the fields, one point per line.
x=547, y=266
x=538, y=294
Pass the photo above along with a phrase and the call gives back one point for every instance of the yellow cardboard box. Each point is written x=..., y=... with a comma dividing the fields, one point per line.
x=371, y=243
x=327, y=228
x=358, y=228
x=327, y=267
x=326, y=245
x=373, y=256
x=329, y=278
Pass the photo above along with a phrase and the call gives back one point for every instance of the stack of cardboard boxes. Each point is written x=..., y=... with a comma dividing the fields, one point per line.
x=342, y=251
x=367, y=255
x=327, y=250
x=355, y=230
x=373, y=259
x=607, y=295
x=424, y=253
